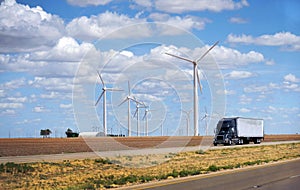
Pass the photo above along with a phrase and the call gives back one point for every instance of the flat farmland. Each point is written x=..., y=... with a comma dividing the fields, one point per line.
x=39, y=146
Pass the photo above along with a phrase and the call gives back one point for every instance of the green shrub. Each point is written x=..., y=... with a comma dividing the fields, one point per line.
x=184, y=173
x=146, y=178
x=200, y=151
x=174, y=173
x=213, y=168
x=13, y=168
x=103, y=161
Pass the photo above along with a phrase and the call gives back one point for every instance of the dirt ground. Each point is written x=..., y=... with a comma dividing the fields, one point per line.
x=37, y=146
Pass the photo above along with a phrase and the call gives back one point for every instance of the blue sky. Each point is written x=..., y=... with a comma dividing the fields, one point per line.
x=49, y=54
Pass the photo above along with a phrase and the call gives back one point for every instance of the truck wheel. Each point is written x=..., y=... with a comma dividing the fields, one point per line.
x=241, y=141
x=215, y=144
x=230, y=142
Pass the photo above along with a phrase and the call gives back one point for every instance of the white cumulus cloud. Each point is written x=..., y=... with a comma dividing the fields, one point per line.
x=179, y=6
x=95, y=27
x=286, y=40
x=239, y=75
x=291, y=78
x=244, y=110
x=237, y=20
x=40, y=109
x=10, y=105
x=66, y=49
x=24, y=29
x=65, y=106
x=228, y=57
x=186, y=23
x=85, y=3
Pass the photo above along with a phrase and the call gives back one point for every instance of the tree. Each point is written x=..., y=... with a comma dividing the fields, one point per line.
x=45, y=133
x=70, y=133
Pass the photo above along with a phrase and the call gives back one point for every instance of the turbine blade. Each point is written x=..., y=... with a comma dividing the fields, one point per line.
x=145, y=115
x=205, y=110
x=123, y=101
x=114, y=89
x=135, y=100
x=207, y=51
x=184, y=111
x=136, y=110
x=101, y=78
x=199, y=81
x=129, y=90
x=99, y=97
x=183, y=58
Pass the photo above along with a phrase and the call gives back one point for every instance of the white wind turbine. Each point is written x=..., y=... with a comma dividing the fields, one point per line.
x=187, y=120
x=138, y=106
x=129, y=98
x=205, y=117
x=196, y=77
x=147, y=111
x=104, y=89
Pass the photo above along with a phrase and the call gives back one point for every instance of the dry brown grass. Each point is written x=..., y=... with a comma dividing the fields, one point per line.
x=102, y=173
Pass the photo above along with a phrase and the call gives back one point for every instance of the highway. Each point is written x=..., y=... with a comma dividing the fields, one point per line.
x=276, y=176
x=112, y=154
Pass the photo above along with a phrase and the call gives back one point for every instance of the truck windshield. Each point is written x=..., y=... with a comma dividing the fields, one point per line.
x=225, y=127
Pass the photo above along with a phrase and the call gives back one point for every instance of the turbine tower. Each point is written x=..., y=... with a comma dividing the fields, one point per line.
x=104, y=90
x=129, y=98
x=187, y=120
x=196, y=77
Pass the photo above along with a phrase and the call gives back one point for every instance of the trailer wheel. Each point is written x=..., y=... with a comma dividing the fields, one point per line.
x=256, y=141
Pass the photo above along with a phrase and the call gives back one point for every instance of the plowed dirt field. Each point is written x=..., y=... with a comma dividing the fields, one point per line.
x=37, y=146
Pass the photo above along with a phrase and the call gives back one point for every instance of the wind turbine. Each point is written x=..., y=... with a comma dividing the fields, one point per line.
x=129, y=98
x=187, y=120
x=205, y=117
x=196, y=77
x=147, y=111
x=104, y=90
x=138, y=106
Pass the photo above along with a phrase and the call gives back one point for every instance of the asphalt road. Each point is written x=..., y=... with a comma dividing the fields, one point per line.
x=277, y=176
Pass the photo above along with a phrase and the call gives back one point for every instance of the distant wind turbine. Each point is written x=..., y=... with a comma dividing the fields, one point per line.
x=129, y=98
x=104, y=90
x=187, y=120
x=138, y=106
x=205, y=117
x=147, y=111
x=196, y=77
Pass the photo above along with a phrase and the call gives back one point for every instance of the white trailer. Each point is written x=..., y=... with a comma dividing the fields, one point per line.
x=239, y=130
x=250, y=127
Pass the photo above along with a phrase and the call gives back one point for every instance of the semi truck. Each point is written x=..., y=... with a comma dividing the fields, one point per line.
x=239, y=130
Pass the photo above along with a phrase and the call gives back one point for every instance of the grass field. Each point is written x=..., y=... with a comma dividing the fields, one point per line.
x=104, y=173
